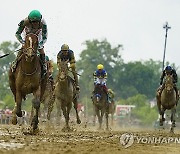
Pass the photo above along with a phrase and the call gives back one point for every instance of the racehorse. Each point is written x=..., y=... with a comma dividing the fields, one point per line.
x=167, y=101
x=65, y=93
x=112, y=108
x=27, y=79
x=100, y=104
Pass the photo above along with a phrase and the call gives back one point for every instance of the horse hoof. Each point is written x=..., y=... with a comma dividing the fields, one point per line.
x=173, y=125
x=19, y=114
x=160, y=123
x=78, y=121
x=107, y=129
x=14, y=121
x=172, y=130
x=66, y=129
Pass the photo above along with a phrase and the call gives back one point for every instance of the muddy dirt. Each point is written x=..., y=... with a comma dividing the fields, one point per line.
x=51, y=140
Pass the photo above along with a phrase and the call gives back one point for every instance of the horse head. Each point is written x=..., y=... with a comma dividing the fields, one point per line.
x=63, y=70
x=169, y=85
x=98, y=92
x=31, y=46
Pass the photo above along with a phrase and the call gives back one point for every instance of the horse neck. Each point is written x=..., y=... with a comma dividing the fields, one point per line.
x=99, y=90
x=64, y=84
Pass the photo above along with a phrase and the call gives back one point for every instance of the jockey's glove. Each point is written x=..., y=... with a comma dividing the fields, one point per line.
x=72, y=65
x=22, y=42
x=41, y=43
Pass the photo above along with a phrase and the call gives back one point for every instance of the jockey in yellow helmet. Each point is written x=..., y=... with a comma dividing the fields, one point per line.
x=100, y=76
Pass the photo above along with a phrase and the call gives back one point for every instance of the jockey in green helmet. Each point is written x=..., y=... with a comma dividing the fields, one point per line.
x=34, y=23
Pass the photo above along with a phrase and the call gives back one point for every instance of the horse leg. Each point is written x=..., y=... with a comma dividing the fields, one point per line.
x=94, y=119
x=68, y=112
x=162, y=119
x=36, y=105
x=158, y=104
x=107, y=117
x=18, y=103
x=17, y=108
x=99, y=118
x=77, y=115
x=173, y=112
x=58, y=112
x=14, y=117
x=94, y=116
x=50, y=106
x=32, y=114
x=65, y=115
x=112, y=119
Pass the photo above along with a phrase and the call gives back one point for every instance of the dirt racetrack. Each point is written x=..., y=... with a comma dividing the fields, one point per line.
x=51, y=140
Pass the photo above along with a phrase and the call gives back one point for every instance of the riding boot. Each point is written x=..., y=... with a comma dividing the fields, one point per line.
x=44, y=66
x=76, y=81
x=15, y=62
x=109, y=99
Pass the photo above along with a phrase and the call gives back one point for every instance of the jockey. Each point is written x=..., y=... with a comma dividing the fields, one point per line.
x=111, y=95
x=168, y=71
x=67, y=54
x=100, y=76
x=34, y=23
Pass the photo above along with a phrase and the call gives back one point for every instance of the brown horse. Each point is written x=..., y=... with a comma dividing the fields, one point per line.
x=112, y=109
x=65, y=93
x=167, y=100
x=27, y=79
x=100, y=105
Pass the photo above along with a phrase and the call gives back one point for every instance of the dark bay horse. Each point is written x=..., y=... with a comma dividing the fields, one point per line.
x=167, y=101
x=112, y=109
x=65, y=93
x=27, y=79
x=100, y=104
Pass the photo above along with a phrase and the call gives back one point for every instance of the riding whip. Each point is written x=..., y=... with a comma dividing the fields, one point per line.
x=7, y=54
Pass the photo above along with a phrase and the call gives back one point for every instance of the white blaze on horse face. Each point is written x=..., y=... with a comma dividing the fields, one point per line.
x=30, y=46
x=97, y=98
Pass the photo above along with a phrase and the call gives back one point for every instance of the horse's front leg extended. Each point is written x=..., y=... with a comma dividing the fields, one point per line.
x=36, y=105
x=99, y=117
x=58, y=112
x=107, y=118
x=75, y=107
x=18, y=103
x=14, y=117
x=63, y=107
x=173, y=112
x=162, y=119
